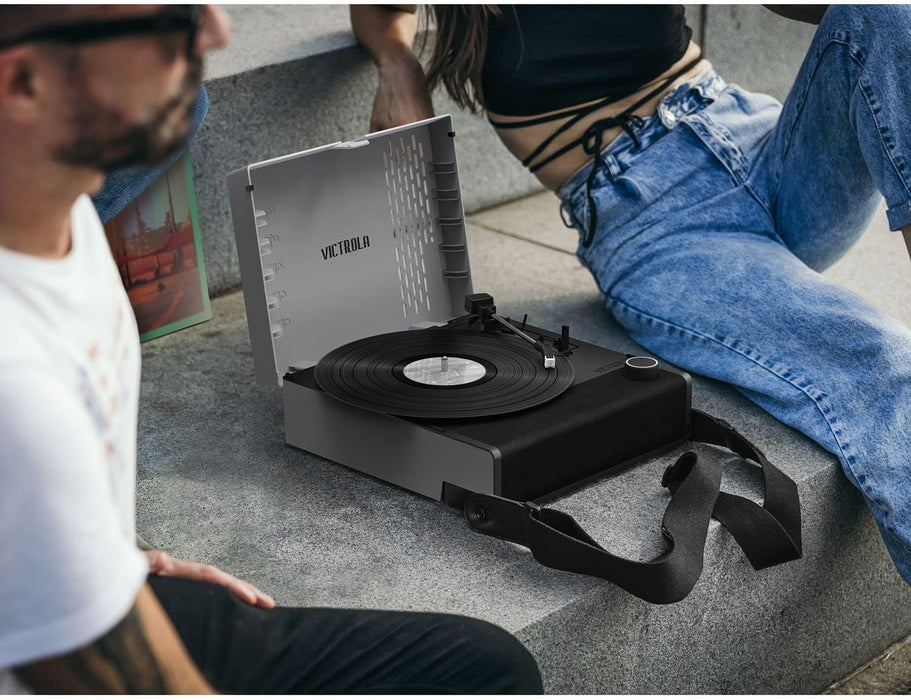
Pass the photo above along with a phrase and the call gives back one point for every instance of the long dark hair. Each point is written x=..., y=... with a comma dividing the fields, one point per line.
x=458, y=52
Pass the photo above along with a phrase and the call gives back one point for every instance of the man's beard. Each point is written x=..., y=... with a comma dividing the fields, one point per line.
x=104, y=142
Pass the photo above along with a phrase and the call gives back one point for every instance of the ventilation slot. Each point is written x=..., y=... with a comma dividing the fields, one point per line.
x=412, y=213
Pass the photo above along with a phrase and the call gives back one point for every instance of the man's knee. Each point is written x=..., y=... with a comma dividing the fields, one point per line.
x=518, y=666
x=503, y=664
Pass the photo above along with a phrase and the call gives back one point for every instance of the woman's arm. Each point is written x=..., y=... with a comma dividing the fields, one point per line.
x=811, y=14
x=388, y=32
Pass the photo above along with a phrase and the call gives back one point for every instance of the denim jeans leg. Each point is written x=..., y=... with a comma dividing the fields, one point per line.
x=844, y=141
x=744, y=310
x=844, y=136
x=123, y=186
x=688, y=260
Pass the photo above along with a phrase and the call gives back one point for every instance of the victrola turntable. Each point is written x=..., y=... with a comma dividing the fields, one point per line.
x=360, y=305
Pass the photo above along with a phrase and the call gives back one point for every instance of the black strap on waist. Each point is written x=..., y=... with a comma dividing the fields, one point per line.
x=591, y=140
x=769, y=534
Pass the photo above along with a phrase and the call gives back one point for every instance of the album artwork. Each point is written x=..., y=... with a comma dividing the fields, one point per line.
x=158, y=249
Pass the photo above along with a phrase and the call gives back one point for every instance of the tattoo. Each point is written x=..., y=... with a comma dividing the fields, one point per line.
x=119, y=662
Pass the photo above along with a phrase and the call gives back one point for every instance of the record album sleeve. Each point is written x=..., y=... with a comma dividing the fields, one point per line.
x=157, y=246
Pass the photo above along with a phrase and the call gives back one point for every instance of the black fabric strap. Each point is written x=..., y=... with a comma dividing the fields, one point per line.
x=768, y=534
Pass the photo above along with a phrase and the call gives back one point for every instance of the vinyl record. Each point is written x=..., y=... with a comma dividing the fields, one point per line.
x=442, y=373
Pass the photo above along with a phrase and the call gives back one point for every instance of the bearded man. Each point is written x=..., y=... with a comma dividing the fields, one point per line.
x=85, y=90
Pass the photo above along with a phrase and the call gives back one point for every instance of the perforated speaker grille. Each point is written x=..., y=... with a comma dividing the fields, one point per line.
x=411, y=210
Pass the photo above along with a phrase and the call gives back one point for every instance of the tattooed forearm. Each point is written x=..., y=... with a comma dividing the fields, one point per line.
x=128, y=652
x=119, y=662
x=141, y=654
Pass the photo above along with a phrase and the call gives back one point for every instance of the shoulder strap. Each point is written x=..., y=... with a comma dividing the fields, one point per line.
x=769, y=534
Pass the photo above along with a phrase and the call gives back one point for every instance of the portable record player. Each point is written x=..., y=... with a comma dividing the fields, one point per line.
x=359, y=303
x=364, y=238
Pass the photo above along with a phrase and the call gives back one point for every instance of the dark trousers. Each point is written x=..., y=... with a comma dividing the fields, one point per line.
x=242, y=649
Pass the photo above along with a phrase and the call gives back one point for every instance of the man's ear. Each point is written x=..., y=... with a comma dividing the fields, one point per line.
x=20, y=84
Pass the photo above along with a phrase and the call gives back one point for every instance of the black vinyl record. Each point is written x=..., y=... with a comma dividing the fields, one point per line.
x=503, y=374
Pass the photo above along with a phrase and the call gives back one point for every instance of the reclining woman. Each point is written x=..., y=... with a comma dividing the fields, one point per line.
x=705, y=212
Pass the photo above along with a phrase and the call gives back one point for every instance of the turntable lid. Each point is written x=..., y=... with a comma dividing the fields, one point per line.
x=349, y=240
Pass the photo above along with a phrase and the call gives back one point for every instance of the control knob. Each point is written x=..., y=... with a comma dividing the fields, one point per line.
x=641, y=368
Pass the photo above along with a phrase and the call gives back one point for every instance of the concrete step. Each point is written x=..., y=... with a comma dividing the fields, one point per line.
x=218, y=484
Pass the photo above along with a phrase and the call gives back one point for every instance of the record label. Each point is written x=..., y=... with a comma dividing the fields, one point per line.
x=444, y=371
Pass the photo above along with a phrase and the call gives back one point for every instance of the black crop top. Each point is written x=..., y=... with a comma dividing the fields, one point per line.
x=541, y=58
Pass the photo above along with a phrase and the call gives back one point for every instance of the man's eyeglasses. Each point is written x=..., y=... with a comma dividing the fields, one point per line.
x=181, y=18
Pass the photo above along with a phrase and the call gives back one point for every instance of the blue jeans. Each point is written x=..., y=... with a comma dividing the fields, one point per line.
x=711, y=237
x=123, y=186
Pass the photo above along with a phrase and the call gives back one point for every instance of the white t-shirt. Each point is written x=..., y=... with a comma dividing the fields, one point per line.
x=69, y=385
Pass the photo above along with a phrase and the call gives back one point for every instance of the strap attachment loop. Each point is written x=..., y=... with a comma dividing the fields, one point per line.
x=678, y=471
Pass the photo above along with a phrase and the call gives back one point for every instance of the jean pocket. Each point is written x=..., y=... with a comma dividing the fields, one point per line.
x=684, y=151
x=667, y=171
x=730, y=128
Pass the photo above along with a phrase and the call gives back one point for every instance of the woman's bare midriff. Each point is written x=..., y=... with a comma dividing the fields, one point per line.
x=522, y=141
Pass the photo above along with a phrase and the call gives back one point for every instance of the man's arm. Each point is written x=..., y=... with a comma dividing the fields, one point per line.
x=811, y=14
x=388, y=32
x=141, y=654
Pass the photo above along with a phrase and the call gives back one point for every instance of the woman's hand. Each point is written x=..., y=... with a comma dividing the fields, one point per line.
x=401, y=97
x=165, y=565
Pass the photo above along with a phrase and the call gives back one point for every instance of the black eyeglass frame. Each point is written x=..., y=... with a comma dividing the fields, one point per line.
x=74, y=33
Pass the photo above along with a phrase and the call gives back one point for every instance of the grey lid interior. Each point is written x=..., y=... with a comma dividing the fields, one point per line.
x=351, y=240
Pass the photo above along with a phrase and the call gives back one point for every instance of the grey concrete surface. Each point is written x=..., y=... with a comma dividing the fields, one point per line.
x=217, y=484
x=755, y=48
x=265, y=35
x=889, y=674
x=535, y=219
